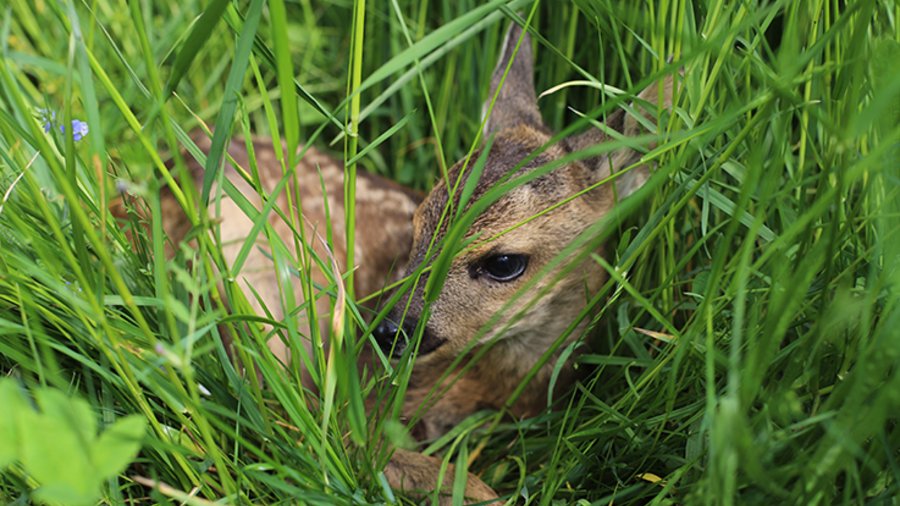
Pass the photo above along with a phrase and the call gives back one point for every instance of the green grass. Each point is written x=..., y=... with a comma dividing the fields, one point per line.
x=764, y=252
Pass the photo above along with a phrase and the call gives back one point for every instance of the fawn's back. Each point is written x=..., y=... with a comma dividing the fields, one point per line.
x=314, y=194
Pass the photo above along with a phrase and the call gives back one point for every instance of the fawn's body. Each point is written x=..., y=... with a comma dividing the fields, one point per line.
x=384, y=212
x=484, y=280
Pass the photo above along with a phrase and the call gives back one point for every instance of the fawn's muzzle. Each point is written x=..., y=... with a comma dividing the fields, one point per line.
x=393, y=339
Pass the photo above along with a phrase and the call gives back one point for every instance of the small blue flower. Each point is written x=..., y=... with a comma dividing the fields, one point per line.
x=79, y=129
x=48, y=117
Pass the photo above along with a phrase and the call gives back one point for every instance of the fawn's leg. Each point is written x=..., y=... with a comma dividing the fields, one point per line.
x=417, y=473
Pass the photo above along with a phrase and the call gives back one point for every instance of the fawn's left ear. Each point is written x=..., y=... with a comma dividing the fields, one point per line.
x=517, y=102
x=650, y=105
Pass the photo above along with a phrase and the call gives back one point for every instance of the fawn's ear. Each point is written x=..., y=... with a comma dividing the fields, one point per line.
x=650, y=105
x=516, y=103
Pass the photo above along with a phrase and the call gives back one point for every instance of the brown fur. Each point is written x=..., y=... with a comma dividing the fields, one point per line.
x=417, y=473
x=384, y=210
x=463, y=317
x=383, y=239
x=389, y=232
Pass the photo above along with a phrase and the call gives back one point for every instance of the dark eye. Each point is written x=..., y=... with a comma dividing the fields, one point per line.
x=504, y=267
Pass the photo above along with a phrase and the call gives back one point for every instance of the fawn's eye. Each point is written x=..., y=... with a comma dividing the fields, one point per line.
x=503, y=267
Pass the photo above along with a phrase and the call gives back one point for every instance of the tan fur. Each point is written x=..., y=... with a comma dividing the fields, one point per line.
x=417, y=474
x=384, y=235
x=463, y=318
x=384, y=210
x=391, y=229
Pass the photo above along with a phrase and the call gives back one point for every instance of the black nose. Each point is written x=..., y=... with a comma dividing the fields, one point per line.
x=391, y=338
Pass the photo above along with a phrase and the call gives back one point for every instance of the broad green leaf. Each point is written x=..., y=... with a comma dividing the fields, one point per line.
x=58, y=493
x=55, y=454
x=118, y=445
x=13, y=405
x=74, y=412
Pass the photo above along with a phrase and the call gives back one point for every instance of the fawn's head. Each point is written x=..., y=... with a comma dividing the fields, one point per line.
x=512, y=242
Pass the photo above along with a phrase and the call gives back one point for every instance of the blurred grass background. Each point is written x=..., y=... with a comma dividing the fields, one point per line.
x=762, y=258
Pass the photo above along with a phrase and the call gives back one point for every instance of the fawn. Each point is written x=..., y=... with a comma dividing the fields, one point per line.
x=479, y=310
x=397, y=227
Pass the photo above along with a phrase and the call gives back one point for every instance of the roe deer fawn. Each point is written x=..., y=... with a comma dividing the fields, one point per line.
x=397, y=227
x=514, y=239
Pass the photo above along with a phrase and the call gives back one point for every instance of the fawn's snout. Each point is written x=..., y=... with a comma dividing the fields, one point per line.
x=394, y=339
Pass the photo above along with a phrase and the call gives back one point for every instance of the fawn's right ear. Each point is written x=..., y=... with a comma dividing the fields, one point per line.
x=650, y=106
x=516, y=103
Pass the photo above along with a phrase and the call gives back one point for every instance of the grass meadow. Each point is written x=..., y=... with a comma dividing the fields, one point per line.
x=746, y=350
